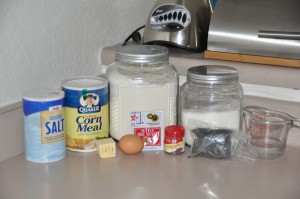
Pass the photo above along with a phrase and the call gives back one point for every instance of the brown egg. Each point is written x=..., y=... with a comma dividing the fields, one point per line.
x=131, y=144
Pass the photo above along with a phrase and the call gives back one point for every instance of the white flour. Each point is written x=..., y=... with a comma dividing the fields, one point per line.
x=131, y=97
x=220, y=119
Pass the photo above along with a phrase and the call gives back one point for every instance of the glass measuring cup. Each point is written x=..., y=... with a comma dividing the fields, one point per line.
x=268, y=129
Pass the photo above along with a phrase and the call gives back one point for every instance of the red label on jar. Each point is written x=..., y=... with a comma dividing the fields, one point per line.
x=151, y=136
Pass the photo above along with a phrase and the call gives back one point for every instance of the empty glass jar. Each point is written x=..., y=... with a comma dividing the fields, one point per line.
x=210, y=99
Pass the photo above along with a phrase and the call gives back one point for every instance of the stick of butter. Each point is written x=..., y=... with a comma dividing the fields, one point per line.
x=106, y=148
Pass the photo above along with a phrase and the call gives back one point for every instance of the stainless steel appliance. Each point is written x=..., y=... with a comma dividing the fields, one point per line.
x=182, y=23
x=256, y=27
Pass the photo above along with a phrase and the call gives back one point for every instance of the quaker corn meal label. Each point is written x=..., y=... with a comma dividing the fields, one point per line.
x=44, y=128
x=149, y=126
x=86, y=109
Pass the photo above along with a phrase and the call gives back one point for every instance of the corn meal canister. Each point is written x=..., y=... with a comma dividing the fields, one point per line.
x=44, y=135
x=86, y=109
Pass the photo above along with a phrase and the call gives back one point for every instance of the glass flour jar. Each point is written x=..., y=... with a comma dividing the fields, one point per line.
x=211, y=99
x=143, y=90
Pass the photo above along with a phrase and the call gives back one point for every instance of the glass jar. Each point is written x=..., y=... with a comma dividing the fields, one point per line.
x=143, y=90
x=212, y=99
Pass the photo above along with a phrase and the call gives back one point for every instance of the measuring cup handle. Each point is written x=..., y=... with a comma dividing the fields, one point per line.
x=296, y=122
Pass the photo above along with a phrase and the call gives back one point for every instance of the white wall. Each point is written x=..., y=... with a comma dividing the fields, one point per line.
x=43, y=42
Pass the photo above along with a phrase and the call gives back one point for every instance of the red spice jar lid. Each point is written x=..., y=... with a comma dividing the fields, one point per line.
x=174, y=130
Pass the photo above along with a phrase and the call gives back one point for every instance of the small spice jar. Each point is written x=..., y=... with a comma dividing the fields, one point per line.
x=174, y=139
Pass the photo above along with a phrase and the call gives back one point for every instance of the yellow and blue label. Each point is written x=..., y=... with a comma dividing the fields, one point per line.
x=86, y=118
x=51, y=116
x=44, y=130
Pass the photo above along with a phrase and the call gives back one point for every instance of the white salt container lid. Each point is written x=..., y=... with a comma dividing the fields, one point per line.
x=43, y=95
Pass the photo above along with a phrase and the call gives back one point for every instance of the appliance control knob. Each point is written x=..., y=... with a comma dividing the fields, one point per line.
x=179, y=15
x=184, y=18
x=160, y=18
x=170, y=16
x=174, y=15
x=165, y=17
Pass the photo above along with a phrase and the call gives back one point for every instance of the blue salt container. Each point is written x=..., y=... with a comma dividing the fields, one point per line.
x=44, y=135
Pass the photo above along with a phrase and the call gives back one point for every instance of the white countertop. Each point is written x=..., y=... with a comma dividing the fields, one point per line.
x=150, y=175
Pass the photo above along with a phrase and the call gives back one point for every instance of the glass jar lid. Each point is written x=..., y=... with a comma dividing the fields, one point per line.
x=208, y=74
x=142, y=53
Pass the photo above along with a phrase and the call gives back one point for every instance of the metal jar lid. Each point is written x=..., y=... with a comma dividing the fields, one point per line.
x=208, y=74
x=142, y=53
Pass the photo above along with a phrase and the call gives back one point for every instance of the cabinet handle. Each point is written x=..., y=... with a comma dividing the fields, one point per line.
x=279, y=35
